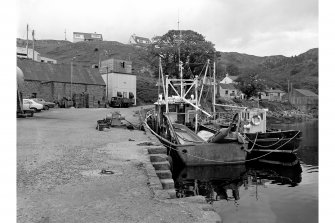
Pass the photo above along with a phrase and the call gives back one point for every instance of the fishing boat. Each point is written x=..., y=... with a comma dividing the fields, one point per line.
x=174, y=121
x=265, y=145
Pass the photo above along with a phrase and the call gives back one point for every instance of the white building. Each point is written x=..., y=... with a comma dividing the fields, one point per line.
x=79, y=37
x=21, y=52
x=119, y=79
x=137, y=40
x=229, y=79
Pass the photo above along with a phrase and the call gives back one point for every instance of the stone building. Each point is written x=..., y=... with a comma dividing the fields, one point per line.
x=52, y=82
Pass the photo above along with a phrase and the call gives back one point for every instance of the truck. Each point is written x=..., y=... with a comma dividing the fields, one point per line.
x=121, y=102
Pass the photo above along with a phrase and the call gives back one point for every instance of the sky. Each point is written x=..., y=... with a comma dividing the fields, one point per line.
x=257, y=27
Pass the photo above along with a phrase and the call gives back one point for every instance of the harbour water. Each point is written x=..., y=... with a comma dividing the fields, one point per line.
x=260, y=192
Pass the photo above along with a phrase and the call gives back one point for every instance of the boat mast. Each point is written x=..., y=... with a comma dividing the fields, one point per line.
x=214, y=82
x=180, y=63
x=196, y=104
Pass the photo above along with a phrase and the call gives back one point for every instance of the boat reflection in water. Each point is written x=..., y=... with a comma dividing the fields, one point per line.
x=224, y=182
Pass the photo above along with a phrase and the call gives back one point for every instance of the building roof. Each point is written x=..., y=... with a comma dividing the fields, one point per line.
x=228, y=86
x=234, y=78
x=24, y=50
x=46, y=72
x=274, y=91
x=306, y=92
x=89, y=35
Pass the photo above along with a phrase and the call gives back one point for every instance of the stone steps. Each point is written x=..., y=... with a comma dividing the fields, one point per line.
x=167, y=184
x=157, y=150
x=164, y=174
x=158, y=157
x=165, y=165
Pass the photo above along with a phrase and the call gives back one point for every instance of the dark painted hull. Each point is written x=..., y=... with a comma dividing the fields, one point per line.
x=276, y=141
x=198, y=154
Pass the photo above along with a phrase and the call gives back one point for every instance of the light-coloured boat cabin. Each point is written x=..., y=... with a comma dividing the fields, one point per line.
x=179, y=111
x=253, y=120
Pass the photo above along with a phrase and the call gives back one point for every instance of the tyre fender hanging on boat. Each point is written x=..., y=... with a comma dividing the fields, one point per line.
x=254, y=121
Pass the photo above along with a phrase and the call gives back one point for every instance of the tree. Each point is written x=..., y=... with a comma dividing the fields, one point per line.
x=250, y=84
x=194, y=52
x=232, y=70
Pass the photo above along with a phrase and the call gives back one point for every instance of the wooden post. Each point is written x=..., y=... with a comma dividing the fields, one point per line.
x=167, y=94
x=71, y=80
x=107, y=84
x=196, y=103
x=33, y=35
x=27, y=39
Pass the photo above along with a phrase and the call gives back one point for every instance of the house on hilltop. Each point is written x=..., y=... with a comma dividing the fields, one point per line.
x=53, y=82
x=79, y=37
x=304, y=99
x=140, y=41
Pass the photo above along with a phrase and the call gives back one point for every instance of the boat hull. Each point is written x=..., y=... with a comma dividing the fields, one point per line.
x=211, y=154
x=275, y=142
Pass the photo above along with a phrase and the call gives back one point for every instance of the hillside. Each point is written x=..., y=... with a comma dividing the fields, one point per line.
x=301, y=70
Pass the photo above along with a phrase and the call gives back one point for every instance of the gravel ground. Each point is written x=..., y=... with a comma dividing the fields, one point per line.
x=59, y=157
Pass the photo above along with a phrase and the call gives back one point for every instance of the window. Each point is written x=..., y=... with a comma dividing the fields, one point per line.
x=125, y=94
x=122, y=64
x=131, y=95
x=278, y=94
x=79, y=36
x=96, y=36
x=226, y=91
x=119, y=94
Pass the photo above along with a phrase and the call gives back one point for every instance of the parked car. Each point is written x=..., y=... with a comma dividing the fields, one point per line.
x=46, y=104
x=29, y=104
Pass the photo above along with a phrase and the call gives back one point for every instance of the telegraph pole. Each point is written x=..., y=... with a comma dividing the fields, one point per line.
x=107, y=83
x=33, y=35
x=71, y=79
x=27, y=39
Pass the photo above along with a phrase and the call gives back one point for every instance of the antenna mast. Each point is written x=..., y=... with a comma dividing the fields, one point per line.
x=27, y=39
x=65, y=34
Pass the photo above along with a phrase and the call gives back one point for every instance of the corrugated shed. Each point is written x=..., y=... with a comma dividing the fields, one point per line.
x=306, y=92
x=59, y=73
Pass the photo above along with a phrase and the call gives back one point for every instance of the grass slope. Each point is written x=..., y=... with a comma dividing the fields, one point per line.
x=88, y=53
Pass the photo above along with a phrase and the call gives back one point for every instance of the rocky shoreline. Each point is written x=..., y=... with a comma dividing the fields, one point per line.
x=289, y=116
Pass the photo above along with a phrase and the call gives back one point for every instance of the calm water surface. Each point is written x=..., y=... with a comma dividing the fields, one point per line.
x=260, y=192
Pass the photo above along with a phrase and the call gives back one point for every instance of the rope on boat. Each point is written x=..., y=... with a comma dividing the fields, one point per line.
x=261, y=145
x=220, y=161
x=249, y=150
